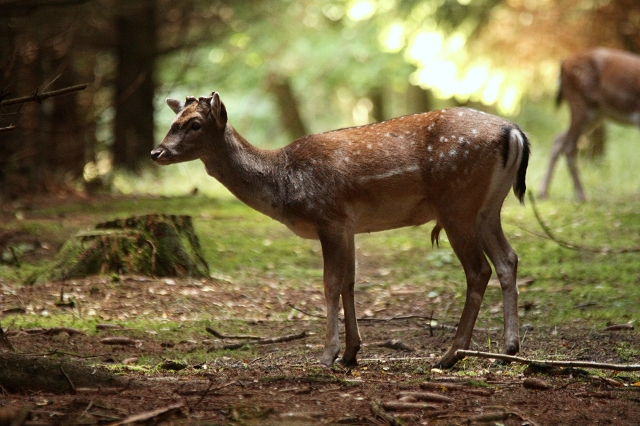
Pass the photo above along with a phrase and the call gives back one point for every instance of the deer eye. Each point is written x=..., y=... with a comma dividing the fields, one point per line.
x=195, y=126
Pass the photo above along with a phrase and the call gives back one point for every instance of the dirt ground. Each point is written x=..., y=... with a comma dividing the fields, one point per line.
x=280, y=383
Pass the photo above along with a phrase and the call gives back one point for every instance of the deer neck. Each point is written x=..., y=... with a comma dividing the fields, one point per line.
x=245, y=170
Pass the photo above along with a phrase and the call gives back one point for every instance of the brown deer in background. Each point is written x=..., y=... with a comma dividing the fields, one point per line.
x=596, y=84
x=454, y=166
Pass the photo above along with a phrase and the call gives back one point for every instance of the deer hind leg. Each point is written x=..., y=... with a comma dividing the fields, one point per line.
x=338, y=251
x=505, y=262
x=466, y=244
x=571, y=154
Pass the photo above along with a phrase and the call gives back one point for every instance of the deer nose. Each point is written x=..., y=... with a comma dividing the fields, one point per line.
x=158, y=153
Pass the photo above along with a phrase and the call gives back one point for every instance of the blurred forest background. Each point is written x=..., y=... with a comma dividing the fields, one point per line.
x=283, y=67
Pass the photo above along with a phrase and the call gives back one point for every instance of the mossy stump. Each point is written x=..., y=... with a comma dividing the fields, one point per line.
x=158, y=245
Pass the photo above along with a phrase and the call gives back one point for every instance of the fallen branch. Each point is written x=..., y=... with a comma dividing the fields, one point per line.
x=406, y=406
x=266, y=341
x=426, y=396
x=306, y=313
x=576, y=364
x=378, y=411
x=572, y=246
x=395, y=344
x=397, y=317
x=156, y=416
x=231, y=336
x=448, y=386
x=119, y=340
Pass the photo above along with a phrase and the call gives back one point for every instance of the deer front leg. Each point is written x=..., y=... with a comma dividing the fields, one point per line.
x=339, y=276
x=477, y=270
x=352, y=334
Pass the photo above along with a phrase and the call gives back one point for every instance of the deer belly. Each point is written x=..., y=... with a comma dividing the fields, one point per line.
x=392, y=213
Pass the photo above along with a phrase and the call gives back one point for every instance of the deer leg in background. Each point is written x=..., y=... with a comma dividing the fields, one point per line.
x=466, y=244
x=571, y=153
x=567, y=143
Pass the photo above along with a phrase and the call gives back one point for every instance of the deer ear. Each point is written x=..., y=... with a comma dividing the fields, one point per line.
x=175, y=105
x=218, y=110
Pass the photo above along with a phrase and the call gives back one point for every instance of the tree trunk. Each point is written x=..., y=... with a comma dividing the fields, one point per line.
x=418, y=99
x=136, y=52
x=377, y=99
x=288, y=104
x=47, y=149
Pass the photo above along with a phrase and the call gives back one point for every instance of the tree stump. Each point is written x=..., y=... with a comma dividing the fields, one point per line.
x=156, y=245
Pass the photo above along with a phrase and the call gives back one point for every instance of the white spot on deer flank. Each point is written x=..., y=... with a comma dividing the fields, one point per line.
x=452, y=153
x=474, y=131
x=429, y=148
x=369, y=146
x=391, y=173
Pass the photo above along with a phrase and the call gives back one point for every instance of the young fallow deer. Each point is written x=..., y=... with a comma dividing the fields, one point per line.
x=597, y=83
x=454, y=166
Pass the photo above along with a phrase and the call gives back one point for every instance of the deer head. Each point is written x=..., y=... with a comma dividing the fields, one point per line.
x=197, y=122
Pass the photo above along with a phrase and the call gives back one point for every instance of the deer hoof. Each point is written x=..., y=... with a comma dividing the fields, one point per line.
x=348, y=362
x=327, y=359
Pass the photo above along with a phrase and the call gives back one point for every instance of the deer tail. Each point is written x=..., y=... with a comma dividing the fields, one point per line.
x=519, y=140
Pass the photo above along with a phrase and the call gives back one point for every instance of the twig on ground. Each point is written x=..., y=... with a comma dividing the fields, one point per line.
x=204, y=394
x=378, y=411
x=618, y=327
x=4, y=341
x=152, y=415
x=73, y=388
x=448, y=386
x=576, y=364
x=265, y=341
x=231, y=336
x=384, y=319
x=426, y=396
x=572, y=246
x=306, y=313
x=394, y=344
x=399, y=317
x=402, y=406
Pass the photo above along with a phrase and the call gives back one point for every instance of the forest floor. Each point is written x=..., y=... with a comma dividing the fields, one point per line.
x=155, y=334
x=281, y=383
